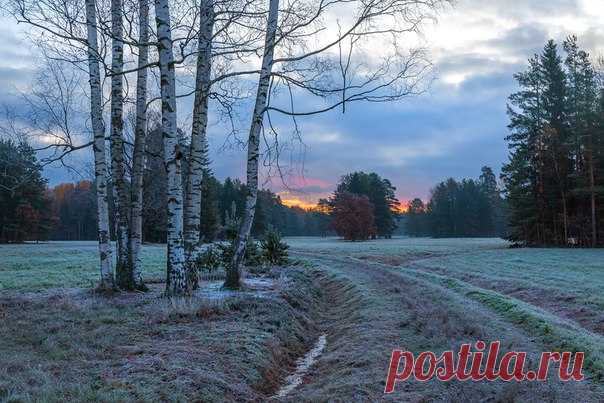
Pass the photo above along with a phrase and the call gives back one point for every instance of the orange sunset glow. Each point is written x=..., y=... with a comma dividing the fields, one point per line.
x=293, y=201
x=402, y=207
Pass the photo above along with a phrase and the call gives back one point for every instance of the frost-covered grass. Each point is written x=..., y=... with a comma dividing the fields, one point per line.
x=78, y=346
x=417, y=294
x=574, y=276
x=566, y=282
x=394, y=299
x=397, y=250
x=574, y=270
x=34, y=267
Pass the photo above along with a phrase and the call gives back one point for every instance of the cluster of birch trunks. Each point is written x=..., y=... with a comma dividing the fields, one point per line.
x=322, y=54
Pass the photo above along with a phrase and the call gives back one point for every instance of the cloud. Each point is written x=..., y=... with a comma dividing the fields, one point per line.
x=454, y=129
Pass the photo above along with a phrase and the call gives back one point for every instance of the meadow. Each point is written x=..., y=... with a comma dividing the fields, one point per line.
x=61, y=341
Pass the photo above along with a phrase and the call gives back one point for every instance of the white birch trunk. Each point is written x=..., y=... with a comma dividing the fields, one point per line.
x=100, y=162
x=140, y=132
x=253, y=148
x=123, y=272
x=192, y=212
x=176, y=273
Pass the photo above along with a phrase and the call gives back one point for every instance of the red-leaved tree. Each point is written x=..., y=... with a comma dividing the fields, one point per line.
x=353, y=217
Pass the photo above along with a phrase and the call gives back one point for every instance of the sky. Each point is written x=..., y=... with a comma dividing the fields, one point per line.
x=452, y=130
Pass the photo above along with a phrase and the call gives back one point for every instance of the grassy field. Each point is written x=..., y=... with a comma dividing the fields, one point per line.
x=35, y=267
x=62, y=342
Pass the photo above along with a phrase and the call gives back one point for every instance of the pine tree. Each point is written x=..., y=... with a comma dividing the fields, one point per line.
x=210, y=215
x=416, y=218
x=523, y=183
x=556, y=139
x=583, y=127
x=552, y=181
x=23, y=198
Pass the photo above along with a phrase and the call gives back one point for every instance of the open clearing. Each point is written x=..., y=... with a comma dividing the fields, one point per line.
x=367, y=298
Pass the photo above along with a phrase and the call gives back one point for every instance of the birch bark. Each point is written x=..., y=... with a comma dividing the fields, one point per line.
x=138, y=163
x=123, y=271
x=100, y=157
x=253, y=153
x=176, y=273
x=197, y=152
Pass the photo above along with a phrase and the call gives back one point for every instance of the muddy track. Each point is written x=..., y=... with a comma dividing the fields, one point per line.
x=374, y=309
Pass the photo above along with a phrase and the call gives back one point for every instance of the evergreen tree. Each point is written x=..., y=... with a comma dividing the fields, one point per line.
x=24, y=206
x=556, y=139
x=469, y=208
x=583, y=106
x=210, y=214
x=416, y=224
x=553, y=178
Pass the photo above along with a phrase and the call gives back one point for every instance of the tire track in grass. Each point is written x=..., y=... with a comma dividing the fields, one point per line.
x=575, y=305
x=558, y=334
x=554, y=332
x=396, y=311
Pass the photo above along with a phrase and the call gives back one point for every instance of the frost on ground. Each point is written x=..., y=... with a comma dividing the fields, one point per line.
x=260, y=287
x=35, y=267
x=368, y=298
x=411, y=294
x=78, y=346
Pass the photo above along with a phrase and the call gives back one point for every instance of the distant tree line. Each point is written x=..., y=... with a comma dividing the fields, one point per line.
x=29, y=211
x=73, y=208
x=223, y=203
x=466, y=208
x=223, y=209
x=554, y=180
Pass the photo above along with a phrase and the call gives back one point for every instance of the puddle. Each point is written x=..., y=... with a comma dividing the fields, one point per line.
x=302, y=366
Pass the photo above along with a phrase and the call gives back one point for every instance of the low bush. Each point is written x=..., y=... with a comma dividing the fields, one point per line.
x=274, y=250
x=210, y=260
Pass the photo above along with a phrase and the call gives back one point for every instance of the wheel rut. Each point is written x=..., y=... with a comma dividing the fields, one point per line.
x=373, y=309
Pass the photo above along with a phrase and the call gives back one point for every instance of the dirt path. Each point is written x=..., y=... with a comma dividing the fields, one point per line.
x=374, y=309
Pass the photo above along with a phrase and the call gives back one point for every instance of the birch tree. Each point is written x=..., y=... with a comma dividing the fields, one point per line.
x=253, y=153
x=118, y=173
x=176, y=273
x=138, y=158
x=66, y=32
x=327, y=70
x=100, y=157
x=198, y=146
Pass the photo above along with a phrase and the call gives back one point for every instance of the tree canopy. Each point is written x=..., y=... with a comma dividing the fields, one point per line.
x=23, y=202
x=554, y=176
x=379, y=192
x=466, y=208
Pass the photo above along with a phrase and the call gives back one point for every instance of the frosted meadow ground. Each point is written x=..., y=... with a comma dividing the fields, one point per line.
x=62, y=342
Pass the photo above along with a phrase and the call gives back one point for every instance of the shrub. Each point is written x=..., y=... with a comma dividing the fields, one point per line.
x=274, y=250
x=226, y=250
x=210, y=259
x=253, y=257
